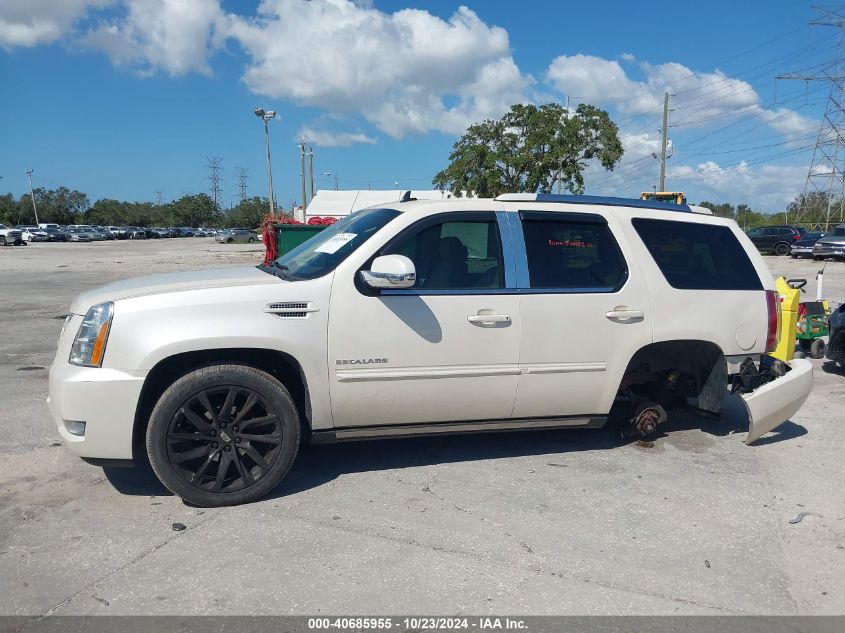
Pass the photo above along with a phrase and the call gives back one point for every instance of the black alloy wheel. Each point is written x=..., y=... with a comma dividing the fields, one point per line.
x=223, y=435
x=782, y=249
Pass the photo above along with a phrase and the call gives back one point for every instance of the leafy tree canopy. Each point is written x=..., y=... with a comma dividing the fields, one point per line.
x=531, y=148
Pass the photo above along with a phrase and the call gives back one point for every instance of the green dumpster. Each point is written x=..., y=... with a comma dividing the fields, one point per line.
x=289, y=236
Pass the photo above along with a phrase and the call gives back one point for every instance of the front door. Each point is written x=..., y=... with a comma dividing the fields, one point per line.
x=585, y=312
x=446, y=349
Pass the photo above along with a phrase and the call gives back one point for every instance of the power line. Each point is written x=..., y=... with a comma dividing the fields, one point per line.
x=215, y=177
x=826, y=175
x=243, y=176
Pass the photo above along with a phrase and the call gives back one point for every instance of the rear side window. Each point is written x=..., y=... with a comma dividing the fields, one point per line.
x=571, y=253
x=698, y=256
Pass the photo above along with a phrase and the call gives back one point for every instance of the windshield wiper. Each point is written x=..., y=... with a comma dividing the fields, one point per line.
x=276, y=269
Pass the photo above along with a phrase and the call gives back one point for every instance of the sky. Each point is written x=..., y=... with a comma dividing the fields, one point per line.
x=127, y=99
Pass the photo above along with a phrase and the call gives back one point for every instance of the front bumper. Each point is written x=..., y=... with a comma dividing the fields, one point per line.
x=104, y=399
x=775, y=402
x=832, y=250
x=802, y=250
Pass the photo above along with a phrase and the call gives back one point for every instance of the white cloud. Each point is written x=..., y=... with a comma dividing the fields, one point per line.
x=177, y=36
x=769, y=188
x=406, y=72
x=32, y=22
x=325, y=138
x=599, y=81
x=698, y=98
x=628, y=57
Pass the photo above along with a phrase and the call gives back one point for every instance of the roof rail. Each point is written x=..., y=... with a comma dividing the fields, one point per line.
x=608, y=201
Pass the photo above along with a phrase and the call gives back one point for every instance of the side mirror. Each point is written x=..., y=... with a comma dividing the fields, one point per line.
x=390, y=271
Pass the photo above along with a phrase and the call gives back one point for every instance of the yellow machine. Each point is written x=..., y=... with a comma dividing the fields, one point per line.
x=790, y=298
x=676, y=197
x=789, y=292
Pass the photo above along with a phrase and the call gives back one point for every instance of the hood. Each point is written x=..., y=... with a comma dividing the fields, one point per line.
x=832, y=239
x=173, y=282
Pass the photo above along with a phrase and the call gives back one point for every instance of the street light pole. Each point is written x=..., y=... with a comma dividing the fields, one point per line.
x=266, y=115
x=32, y=196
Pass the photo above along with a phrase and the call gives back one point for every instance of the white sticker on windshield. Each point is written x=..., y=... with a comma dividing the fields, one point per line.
x=333, y=244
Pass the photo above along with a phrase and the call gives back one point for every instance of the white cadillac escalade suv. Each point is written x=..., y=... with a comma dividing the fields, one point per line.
x=523, y=312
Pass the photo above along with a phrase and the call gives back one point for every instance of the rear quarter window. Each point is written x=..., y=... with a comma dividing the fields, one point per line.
x=695, y=256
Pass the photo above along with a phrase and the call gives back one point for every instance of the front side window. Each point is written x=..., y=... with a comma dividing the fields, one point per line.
x=324, y=252
x=571, y=253
x=697, y=256
x=460, y=254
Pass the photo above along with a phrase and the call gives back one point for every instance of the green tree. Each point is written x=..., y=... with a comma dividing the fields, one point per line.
x=249, y=212
x=530, y=149
x=196, y=210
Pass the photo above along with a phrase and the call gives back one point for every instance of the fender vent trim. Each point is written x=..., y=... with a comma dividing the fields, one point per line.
x=291, y=309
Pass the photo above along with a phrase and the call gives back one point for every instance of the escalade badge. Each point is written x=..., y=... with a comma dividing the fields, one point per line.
x=361, y=361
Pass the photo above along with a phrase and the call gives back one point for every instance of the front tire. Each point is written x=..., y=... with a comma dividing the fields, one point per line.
x=223, y=435
x=229, y=241
x=817, y=348
x=251, y=240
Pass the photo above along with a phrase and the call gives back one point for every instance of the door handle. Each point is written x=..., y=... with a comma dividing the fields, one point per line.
x=489, y=318
x=624, y=315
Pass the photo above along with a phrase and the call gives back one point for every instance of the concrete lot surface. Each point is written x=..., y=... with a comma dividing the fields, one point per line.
x=560, y=522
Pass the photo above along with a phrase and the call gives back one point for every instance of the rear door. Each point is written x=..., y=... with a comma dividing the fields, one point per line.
x=585, y=311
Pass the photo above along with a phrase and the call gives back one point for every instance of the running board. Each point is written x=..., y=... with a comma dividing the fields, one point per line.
x=436, y=428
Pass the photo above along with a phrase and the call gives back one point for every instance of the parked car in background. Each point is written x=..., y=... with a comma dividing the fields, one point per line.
x=76, y=234
x=831, y=245
x=776, y=239
x=48, y=225
x=804, y=246
x=56, y=234
x=9, y=237
x=105, y=232
x=93, y=236
x=135, y=233
x=119, y=232
x=237, y=236
x=32, y=233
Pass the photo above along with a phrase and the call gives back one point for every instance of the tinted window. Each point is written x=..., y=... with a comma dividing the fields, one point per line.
x=566, y=253
x=455, y=255
x=698, y=256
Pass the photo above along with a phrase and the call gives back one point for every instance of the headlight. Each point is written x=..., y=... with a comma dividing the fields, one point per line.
x=89, y=346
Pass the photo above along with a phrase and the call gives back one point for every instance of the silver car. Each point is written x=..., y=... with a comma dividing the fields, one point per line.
x=75, y=234
x=831, y=245
x=237, y=236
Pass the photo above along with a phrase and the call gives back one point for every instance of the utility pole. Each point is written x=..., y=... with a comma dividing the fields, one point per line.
x=302, y=175
x=336, y=182
x=214, y=166
x=242, y=178
x=826, y=176
x=311, y=168
x=663, y=140
x=266, y=115
x=32, y=196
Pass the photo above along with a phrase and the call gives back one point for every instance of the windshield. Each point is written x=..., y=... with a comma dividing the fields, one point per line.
x=839, y=231
x=322, y=253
